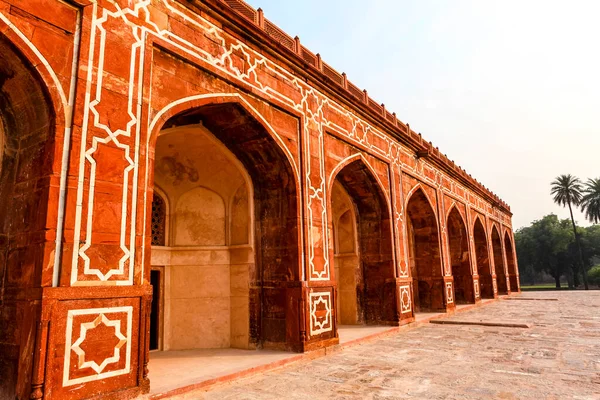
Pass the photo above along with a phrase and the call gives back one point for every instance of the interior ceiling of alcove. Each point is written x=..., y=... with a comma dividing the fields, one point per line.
x=189, y=157
x=200, y=178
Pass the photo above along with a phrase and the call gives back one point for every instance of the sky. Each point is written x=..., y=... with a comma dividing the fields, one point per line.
x=508, y=89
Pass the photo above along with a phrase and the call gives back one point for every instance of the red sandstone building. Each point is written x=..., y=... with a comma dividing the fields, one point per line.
x=181, y=174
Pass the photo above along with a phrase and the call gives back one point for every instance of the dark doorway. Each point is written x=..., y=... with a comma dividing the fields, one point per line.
x=510, y=260
x=499, y=262
x=458, y=242
x=483, y=261
x=155, y=280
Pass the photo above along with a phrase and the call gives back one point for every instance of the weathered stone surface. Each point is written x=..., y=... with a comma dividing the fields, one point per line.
x=557, y=358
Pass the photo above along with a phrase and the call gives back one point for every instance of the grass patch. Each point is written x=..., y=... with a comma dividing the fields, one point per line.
x=543, y=286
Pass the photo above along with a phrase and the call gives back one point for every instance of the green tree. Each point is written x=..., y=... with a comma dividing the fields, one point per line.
x=548, y=245
x=590, y=244
x=566, y=190
x=543, y=247
x=590, y=202
x=594, y=275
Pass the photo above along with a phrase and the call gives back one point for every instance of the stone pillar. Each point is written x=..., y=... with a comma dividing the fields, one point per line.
x=97, y=338
x=404, y=281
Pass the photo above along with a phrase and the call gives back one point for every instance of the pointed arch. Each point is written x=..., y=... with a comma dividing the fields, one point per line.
x=451, y=209
x=30, y=55
x=375, y=239
x=30, y=115
x=479, y=218
x=482, y=257
x=499, y=266
x=190, y=103
x=273, y=174
x=513, y=275
x=351, y=159
x=460, y=260
x=424, y=252
x=419, y=187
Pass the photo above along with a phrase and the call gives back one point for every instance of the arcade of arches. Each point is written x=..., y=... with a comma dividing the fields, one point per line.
x=196, y=187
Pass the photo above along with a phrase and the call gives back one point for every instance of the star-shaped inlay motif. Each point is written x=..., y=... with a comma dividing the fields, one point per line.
x=85, y=327
x=321, y=315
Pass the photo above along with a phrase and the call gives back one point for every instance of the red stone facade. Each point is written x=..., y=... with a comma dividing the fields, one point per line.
x=86, y=88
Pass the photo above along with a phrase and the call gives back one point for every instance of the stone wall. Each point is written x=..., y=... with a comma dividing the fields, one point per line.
x=90, y=89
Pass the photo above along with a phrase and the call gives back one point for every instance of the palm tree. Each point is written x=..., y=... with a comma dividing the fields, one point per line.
x=590, y=202
x=566, y=190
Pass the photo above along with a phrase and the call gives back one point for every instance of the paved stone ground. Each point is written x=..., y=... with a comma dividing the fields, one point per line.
x=557, y=358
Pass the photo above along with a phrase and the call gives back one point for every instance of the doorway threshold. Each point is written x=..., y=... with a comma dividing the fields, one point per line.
x=173, y=373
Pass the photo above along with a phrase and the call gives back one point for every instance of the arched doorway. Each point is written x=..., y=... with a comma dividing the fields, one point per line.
x=424, y=254
x=510, y=260
x=27, y=148
x=483, y=261
x=458, y=243
x=231, y=251
x=348, y=271
x=499, y=262
x=362, y=246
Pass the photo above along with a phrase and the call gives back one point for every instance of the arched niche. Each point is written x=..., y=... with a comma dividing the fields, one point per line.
x=499, y=262
x=424, y=254
x=510, y=261
x=482, y=255
x=359, y=204
x=460, y=260
x=199, y=218
x=27, y=149
x=234, y=187
x=348, y=271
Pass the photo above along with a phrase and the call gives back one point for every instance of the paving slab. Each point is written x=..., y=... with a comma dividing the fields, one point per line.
x=558, y=357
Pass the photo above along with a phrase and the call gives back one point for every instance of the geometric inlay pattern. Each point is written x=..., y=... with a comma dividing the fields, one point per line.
x=314, y=106
x=121, y=336
x=449, y=293
x=159, y=216
x=405, y=302
x=100, y=319
x=320, y=313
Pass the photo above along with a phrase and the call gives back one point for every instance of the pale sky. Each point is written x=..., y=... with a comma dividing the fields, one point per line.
x=508, y=89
